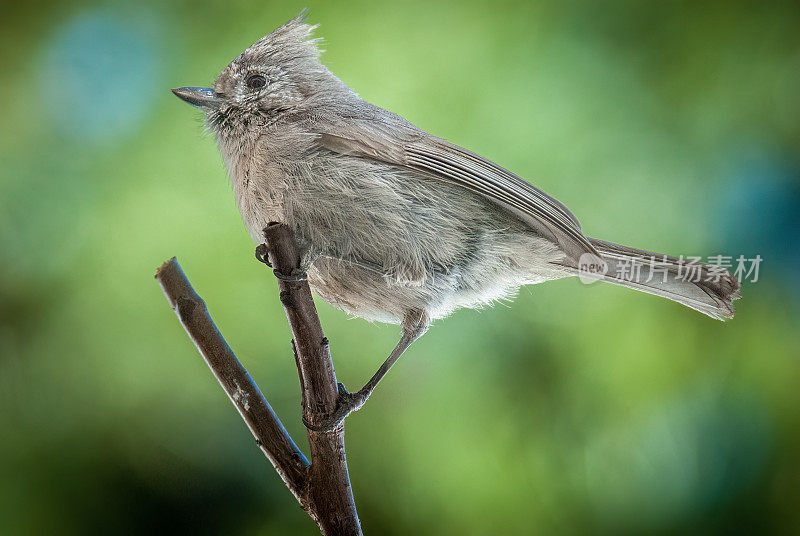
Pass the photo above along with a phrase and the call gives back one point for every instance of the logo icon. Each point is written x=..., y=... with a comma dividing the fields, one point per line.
x=591, y=268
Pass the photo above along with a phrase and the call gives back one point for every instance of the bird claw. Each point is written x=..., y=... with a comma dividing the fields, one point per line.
x=346, y=404
x=297, y=275
x=262, y=254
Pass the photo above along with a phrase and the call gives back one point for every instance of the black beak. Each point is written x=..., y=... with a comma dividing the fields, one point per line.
x=202, y=97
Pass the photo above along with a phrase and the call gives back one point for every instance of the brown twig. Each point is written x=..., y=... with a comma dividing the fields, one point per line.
x=271, y=436
x=323, y=486
x=329, y=483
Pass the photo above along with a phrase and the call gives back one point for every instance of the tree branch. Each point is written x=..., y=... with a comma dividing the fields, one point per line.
x=271, y=436
x=329, y=483
x=323, y=486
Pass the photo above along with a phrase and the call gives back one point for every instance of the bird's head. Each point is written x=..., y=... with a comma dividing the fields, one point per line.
x=279, y=74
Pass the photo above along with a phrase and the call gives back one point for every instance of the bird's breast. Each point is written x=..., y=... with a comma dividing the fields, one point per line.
x=259, y=188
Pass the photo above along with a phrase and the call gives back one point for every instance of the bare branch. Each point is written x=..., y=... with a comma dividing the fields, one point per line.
x=323, y=486
x=271, y=436
x=329, y=488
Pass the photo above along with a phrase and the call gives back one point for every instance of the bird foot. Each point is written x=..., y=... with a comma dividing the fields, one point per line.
x=262, y=254
x=297, y=275
x=346, y=404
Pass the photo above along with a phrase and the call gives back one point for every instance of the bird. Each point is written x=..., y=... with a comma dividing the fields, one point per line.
x=396, y=225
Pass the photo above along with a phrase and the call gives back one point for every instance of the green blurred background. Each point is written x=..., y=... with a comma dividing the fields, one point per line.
x=671, y=126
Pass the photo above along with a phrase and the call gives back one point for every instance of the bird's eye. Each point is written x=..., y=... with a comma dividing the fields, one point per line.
x=256, y=81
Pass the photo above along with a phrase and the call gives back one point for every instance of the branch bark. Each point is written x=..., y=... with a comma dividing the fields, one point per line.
x=329, y=488
x=322, y=486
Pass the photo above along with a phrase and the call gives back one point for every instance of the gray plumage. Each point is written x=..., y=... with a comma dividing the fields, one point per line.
x=396, y=225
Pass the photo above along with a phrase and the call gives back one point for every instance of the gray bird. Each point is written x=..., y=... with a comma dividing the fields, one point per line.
x=397, y=225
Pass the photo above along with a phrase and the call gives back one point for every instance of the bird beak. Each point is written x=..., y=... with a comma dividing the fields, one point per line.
x=201, y=97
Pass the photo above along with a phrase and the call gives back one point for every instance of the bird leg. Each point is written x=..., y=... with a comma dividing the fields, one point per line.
x=414, y=326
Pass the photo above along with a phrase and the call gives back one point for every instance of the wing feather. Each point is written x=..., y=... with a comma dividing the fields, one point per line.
x=443, y=160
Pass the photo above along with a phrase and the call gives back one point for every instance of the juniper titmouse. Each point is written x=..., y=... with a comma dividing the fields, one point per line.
x=397, y=225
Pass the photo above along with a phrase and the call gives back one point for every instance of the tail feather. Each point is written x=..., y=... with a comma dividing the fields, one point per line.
x=703, y=287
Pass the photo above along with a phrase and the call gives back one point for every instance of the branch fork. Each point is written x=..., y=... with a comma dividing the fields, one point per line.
x=322, y=485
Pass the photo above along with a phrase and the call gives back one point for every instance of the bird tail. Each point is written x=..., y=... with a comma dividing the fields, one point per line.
x=705, y=288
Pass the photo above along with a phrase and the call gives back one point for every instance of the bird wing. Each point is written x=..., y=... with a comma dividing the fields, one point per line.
x=445, y=161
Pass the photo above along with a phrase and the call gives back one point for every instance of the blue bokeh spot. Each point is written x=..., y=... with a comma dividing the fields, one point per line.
x=99, y=77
